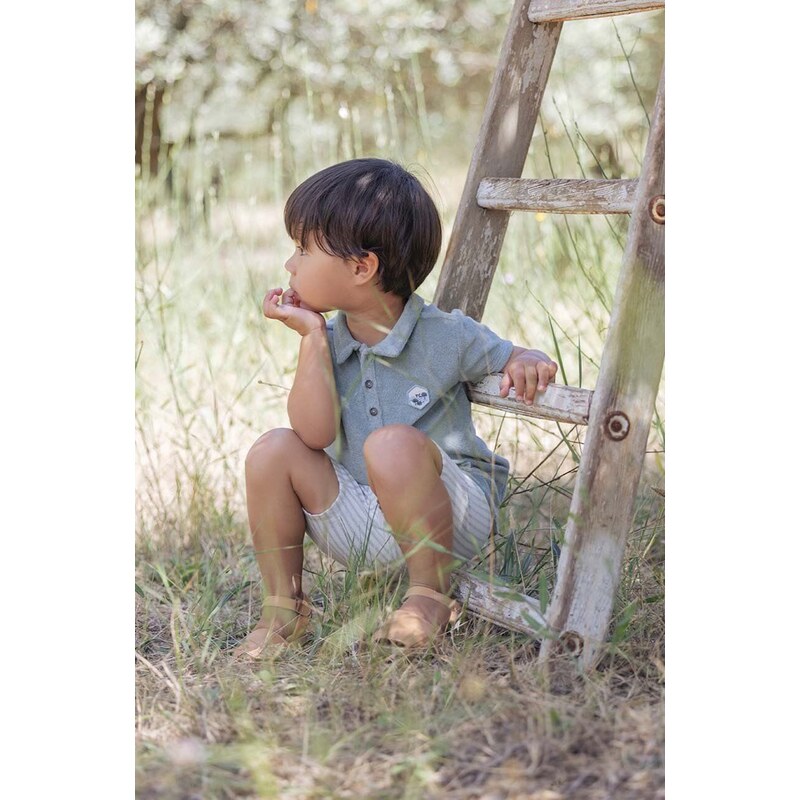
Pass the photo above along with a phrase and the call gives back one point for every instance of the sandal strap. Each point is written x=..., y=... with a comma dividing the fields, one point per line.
x=296, y=604
x=396, y=629
x=431, y=594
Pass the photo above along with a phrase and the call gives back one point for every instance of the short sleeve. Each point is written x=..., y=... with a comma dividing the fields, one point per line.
x=481, y=350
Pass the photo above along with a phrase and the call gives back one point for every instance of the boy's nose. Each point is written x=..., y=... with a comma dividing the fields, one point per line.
x=288, y=266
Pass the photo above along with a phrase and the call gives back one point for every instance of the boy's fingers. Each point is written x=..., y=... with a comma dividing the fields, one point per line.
x=527, y=379
x=275, y=311
x=544, y=374
x=292, y=298
x=271, y=299
x=532, y=380
x=518, y=377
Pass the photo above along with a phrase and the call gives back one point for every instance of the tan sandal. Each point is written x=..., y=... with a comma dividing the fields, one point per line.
x=261, y=636
x=408, y=629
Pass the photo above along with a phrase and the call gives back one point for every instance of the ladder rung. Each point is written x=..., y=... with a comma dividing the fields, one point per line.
x=500, y=604
x=558, y=195
x=560, y=10
x=557, y=402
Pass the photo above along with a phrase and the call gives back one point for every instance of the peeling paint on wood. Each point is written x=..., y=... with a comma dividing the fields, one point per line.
x=557, y=402
x=558, y=195
x=499, y=604
x=503, y=142
x=562, y=10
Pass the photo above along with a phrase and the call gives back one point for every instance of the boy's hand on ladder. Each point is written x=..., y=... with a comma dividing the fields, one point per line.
x=528, y=372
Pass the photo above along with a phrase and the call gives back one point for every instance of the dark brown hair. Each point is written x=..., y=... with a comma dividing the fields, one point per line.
x=369, y=205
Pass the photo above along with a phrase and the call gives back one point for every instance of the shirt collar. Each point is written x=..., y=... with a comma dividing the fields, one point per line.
x=390, y=346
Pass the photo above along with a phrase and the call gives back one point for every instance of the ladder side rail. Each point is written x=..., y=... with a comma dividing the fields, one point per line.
x=503, y=142
x=562, y=10
x=603, y=500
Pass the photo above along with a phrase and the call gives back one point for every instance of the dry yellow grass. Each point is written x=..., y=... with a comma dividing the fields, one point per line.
x=336, y=718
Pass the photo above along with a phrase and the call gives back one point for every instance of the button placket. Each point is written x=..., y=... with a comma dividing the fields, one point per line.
x=371, y=404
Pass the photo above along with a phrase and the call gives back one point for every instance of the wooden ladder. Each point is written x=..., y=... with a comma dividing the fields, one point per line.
x=619, y=411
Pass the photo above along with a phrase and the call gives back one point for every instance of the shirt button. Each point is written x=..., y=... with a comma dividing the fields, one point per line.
x=368, y=384
x=374, y=411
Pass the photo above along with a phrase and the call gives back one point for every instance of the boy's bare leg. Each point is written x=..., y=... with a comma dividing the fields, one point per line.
x=404, y=468
x=283, y=476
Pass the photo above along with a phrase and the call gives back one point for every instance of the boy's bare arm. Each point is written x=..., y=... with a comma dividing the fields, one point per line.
x=528, y=371
x=313, y=404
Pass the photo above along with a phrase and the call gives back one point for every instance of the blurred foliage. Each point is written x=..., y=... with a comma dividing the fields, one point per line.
x=248, y=97
x=237, y=63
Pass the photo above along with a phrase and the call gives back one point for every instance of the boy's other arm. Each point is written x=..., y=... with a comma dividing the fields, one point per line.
x=313, y=405
x=528, y=371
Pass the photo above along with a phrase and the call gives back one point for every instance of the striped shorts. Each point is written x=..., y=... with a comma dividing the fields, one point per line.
x=353, y=530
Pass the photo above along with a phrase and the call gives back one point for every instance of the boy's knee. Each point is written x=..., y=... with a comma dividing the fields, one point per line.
x=272, y=446
x=395, y=447
x=393, y=438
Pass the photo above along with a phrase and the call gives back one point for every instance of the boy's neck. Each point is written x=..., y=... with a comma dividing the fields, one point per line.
x=372, y=323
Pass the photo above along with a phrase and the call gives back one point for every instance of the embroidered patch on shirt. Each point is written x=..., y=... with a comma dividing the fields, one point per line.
x=418, y=397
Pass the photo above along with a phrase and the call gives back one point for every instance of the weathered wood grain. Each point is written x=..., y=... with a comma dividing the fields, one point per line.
x=561, y=10
x=503, y=141
x=558, y=195
x=499, y=604
x=557, y=402
x=619, y=422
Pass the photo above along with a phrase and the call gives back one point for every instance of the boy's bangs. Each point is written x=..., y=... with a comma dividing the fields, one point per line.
x=303, y=222
x=298, y=226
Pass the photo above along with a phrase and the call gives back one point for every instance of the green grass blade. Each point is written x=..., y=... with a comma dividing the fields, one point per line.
x=559, y=359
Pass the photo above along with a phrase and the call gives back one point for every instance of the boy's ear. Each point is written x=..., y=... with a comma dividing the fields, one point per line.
x=365, y=269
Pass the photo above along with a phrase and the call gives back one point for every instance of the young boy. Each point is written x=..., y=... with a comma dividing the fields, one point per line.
x=382, y=459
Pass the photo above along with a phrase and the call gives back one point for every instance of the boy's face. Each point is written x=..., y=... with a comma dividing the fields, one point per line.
x=322, y=281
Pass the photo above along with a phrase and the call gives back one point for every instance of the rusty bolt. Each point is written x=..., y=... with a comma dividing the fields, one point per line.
x=571, y=643
x=617, y=426
x=657, y=209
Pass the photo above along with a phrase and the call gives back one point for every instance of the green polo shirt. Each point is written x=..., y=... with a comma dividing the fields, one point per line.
x=415, y=376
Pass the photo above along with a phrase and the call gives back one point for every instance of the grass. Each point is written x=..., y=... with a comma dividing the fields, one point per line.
x=336, y=718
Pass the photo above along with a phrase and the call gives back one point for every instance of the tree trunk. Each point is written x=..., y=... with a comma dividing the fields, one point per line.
x=149, y=100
